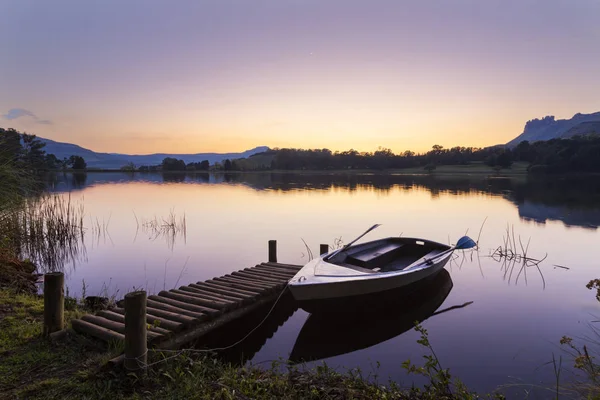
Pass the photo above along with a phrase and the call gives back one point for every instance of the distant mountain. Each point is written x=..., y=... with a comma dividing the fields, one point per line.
x=549, y=128
x=117, y=160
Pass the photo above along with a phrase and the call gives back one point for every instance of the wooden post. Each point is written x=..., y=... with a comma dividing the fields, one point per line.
x=54, y=302
x=273, y=251
x=136, y=346
x=323, y=249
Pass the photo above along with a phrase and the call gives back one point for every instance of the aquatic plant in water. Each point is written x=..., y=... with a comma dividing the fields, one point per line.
x=48, y=230
x=170, y=228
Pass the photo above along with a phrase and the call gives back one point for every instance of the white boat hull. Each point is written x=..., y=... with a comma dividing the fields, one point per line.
x=306, y=286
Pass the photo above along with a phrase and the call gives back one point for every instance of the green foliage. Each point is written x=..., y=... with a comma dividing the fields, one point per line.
x=501, y=159
x=430, y=167
x=46, y=229
x=129, y=167
x=30, y=363
x=173, y=164
x=441, y=385
x=577, y=154
x=77, y=162
x=10, y=146
x=52, y=162
x=34, y=368
x=33, y=154
x=25, y=152
x=198, y=166
x=583, y=360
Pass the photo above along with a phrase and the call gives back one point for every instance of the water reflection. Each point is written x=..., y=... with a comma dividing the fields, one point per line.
x=236, y=330
x=78, y=179
x=574, y=200
x=327, y=335
x=173, y=177
x=231, y=218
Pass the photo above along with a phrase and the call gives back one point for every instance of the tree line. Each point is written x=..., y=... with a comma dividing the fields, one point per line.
x=384, y=158
x=171, y=164
x=26, y=152
x=577, y=154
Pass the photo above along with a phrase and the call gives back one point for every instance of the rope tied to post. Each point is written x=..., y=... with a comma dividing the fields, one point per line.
x=216, y=349
x=139, y=361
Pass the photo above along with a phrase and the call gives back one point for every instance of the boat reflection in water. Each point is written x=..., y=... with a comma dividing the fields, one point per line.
x=331, y=334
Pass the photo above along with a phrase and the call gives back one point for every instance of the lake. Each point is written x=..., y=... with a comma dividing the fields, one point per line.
x=507, y=335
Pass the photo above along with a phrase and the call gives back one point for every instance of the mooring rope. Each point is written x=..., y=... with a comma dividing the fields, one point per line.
x=181, y=351
x=138, y=359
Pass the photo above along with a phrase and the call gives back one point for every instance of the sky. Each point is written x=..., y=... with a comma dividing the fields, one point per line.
x=192, y=76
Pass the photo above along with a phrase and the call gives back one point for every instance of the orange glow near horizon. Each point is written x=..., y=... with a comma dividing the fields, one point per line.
x=310, y=74
x=336, y=131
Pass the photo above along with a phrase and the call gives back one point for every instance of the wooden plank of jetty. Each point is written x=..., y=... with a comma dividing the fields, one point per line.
x=178, y=316
x=270, y=273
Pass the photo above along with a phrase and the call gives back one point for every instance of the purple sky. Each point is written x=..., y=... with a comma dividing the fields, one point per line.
x=192, y=76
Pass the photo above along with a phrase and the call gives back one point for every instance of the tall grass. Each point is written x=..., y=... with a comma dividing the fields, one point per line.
x=48, y=230
x=13, y=190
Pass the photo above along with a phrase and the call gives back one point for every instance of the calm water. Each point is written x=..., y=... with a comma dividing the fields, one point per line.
x=505, y=336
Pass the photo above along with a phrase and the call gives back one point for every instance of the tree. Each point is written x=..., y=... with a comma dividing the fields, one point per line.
x=491, y=160
x=173, y=164
x=204, y=165
x=524, y=151
x=129, y=167
x=504, y=160
x=51, y=161
x=430, y=167
x=227, y=165
x=33, y=153
x=77, y=162
x=64, y=163
x=10, y=146
x=437, y=149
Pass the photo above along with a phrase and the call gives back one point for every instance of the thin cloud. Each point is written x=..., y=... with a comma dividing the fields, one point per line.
x=15, y=113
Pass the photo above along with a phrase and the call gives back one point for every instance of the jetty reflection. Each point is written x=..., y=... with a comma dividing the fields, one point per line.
x=238, y=329
x=327, y=335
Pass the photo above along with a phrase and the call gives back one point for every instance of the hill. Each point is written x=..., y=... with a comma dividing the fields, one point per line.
x=583, y=129
x=117, y=160
x=550, y=128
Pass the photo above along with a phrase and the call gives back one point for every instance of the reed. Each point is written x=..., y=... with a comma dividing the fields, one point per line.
x=512, y=256
x=308, y=250
x=48, y=230
x=170, y=227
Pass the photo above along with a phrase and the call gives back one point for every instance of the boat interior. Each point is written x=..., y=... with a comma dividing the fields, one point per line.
x=386, y=255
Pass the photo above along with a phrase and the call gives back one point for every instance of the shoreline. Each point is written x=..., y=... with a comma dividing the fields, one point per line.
x=71, y=365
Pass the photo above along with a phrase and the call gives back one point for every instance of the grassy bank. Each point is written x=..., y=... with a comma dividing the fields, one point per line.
x=75, y=367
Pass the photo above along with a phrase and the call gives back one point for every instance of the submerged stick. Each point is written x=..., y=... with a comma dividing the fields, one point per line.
x=452, y=308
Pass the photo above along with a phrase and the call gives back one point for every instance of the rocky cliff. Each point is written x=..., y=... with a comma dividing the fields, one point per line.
x=550, y=128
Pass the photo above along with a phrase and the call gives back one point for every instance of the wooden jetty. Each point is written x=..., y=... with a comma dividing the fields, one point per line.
x=180, y=316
